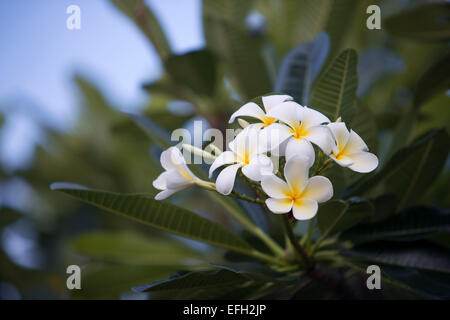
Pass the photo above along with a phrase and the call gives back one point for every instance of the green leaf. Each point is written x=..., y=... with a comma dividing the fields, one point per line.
x=413, y=223
x=364, y=124
x=385, y=206
x=411, y=170
x=137, y=11
x=430, y=284
x=132, y=248
x=251, y=270
x=417, y=254
x=425, y=23
x=403, y=130
x=195, y=69
x=226, y=36
x=300, y=66
x=435, y=80
x=196, y=280
x=339, y=22
x=292, y=22
x=337, y=215
x=157, y=135
x=391, y=287
x=159, y=214
x=334, y=94
x=101, y=281
x=8, y=216
x=229, y=10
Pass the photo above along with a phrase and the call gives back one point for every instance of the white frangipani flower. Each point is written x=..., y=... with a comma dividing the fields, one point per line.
x=177, y=175
x=251, y=109
x=350, y=149
x=247, y=153
x=297, y=193
x=303, y=126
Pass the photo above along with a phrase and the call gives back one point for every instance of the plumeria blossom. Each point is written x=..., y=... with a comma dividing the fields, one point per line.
x=177, y=175
x=251, y=109
x=246, y=152
x=298, y=193
x=302, y=126
x=350, y=149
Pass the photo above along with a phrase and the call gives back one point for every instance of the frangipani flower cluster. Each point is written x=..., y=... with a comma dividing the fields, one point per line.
x=283, y=129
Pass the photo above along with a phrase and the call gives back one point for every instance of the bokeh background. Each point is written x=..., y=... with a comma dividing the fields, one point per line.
x=63, y=94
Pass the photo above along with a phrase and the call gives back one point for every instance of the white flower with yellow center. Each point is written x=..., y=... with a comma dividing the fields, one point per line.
x=246, y=152
x=252, y=110
x=350, y=149
x=177, y=175
x=297, y=193
x=302, y=126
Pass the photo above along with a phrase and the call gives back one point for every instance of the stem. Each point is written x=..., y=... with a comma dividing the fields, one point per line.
x=298, y=248
x=325, y=167
x=270, y=243
x=307, y=237
x=267, y=258
x=325, y=234
x=211, y=186
x=234, y=194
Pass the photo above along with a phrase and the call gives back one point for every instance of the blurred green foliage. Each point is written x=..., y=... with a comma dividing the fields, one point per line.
x=404, y=116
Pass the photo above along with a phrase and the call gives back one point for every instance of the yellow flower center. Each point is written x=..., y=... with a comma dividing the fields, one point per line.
x=297, y=198
x=246, y=159
x=339, y=155
x=268, y=121
x=299, y=131
x=184, y=173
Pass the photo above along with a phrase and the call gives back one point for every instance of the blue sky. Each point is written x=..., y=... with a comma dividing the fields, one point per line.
x=39, y=56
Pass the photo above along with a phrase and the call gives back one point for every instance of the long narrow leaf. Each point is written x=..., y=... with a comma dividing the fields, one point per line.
x=334, y=94
x=300, y=66
x=159, y=214
x=417, y=254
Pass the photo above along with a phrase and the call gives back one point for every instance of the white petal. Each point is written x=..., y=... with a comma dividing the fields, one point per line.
x=322, y=137
x=363, y=161
x=244, y=123
x=343, y=161
x=259, y=165
x=279, y=205
x=304, y=209
x=311, y=117
x=171, y=158
x=246, y=142
x=340, y=133
x=286, y=112
x=175, y=179
x=274, y=187
x=273, y=100
x=250, y=109
x=280, y=150
x=160, y=182
x=355, y=143
x=318, y=188
x=165, y=194
x=225, y=180
x=300, y=147
x=274, y=135
x=226, y=157
x=296, y=173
